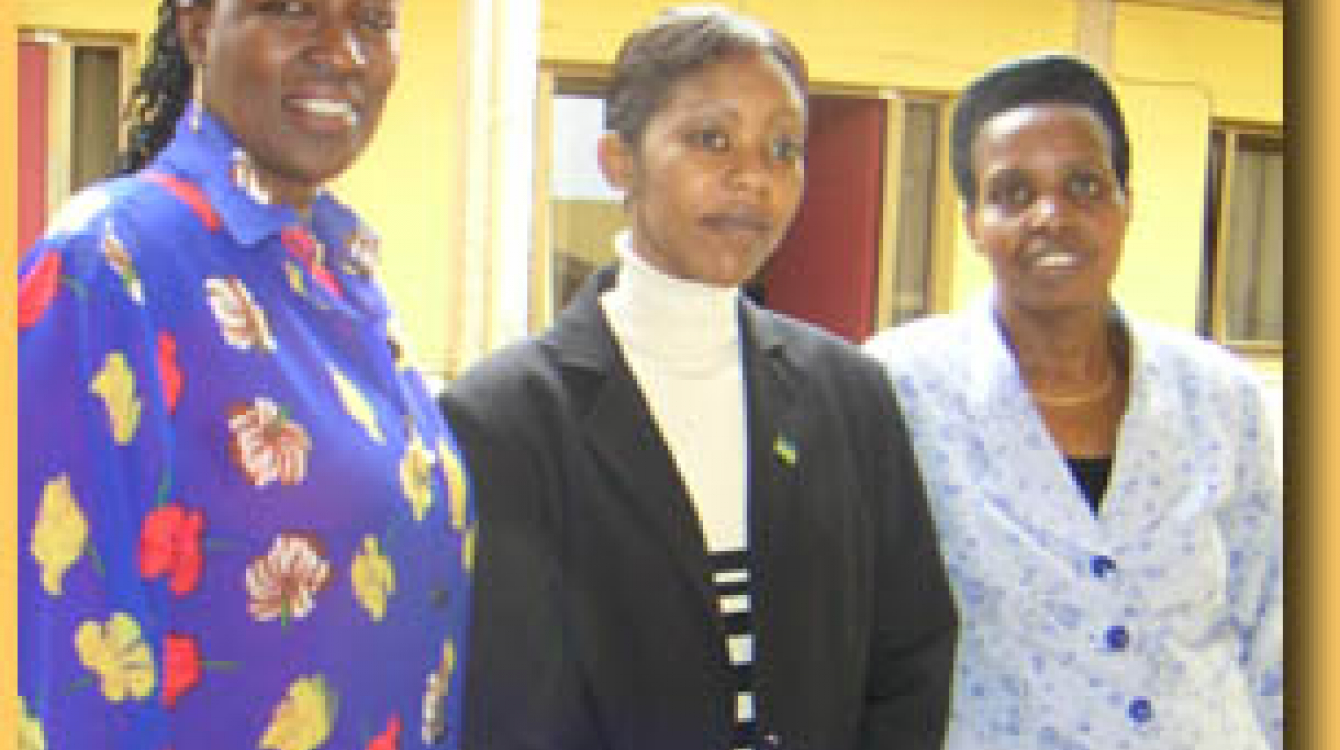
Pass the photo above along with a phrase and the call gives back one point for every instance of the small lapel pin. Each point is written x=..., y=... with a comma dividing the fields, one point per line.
x=785, y=450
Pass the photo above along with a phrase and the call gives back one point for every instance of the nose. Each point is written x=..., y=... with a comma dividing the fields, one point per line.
x=751, y=172
x=338, y=45
x=1050, y=211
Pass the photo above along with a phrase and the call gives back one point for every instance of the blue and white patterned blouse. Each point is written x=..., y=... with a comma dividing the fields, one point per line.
x=243, y=522
x=1156, y=623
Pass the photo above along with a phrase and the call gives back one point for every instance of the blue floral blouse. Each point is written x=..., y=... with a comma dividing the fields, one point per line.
x=242, y=520
x=1155, y=623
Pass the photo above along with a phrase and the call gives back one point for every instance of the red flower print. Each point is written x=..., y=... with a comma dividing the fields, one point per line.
x=267, y=445
x=190, y=195
x=37, y=289
x=168, y=371
x=181, y=666
x=388, y=739
x=306, y=248
x=170, y=545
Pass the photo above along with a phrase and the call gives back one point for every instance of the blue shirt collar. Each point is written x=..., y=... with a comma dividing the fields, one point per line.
x=209, y=156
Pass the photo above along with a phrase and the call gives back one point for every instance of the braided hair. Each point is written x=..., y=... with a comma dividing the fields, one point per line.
x=161, y=94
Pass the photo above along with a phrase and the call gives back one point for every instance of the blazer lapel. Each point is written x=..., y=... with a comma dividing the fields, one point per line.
x=629, y=448
x=776, y=438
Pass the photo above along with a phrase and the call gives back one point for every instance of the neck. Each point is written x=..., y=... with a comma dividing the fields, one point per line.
x=678, y=319
x=1065, y=356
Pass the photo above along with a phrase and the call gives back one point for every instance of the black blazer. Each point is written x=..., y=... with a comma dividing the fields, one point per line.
x=594, y=624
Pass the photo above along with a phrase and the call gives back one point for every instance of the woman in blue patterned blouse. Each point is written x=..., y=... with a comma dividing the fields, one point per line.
x=244, y=520
x=1106, y=491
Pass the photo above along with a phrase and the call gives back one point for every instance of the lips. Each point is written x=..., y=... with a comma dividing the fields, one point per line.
x=738, y=222
x=325, y=111
x=1053, y=257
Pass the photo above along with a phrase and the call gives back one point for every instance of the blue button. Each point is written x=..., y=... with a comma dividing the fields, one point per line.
x=1117, y=637
x=1141, y=710
x=1102, y=565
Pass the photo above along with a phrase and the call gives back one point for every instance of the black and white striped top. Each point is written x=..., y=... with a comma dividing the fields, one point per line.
x=730, y=581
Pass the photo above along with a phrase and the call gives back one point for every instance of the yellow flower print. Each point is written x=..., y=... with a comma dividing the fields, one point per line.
x=468, y=550
x=457, y=488
x=31, y=736
x=115, y=383
x=357, y=406
x=435, y=696
x=416, y=476
x=295, y=278
x=116, y=653
x=60, y=534
x=373, y=577
x=303, y=720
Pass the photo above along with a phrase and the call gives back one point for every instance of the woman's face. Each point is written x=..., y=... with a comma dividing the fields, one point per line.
x=1050, y=215
x=715, y=179
x=300, y=83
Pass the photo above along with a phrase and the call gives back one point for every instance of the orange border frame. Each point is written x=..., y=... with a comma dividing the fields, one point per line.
x=8, y=332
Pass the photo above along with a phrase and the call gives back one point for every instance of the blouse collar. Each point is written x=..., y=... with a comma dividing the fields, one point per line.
x=212, y=158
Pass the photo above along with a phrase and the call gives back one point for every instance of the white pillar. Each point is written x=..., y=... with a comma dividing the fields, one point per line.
x=502, y=57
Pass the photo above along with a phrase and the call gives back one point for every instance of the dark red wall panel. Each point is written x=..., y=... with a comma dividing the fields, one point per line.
x=826, y=270
x=32, y=161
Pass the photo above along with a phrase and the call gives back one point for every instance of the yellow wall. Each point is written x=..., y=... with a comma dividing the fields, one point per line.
x=1161, y=266
x=1179, y=69
x=120, y=16
x=1237, y=61
x=405, y=185
x=905, y=43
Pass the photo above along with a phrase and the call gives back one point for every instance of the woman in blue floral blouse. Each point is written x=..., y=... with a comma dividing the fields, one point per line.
x=243, y=522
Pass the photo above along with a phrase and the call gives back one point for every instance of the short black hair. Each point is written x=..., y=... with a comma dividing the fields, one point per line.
x=1049, y=78
x=676, y=43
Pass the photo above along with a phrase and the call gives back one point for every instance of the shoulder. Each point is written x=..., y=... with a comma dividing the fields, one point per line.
x=831, y=375
x=507, y=389
x=1191, y=361
x=935, y=354
x=925, y=341
x=808, y=347
x=113, y=220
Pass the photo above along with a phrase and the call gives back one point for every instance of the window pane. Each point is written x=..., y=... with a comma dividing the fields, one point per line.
x=916, y=211
x=1254, y=251
x=585, y=212
x=96, y=90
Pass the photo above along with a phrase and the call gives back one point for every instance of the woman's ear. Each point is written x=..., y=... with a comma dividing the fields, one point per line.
x=193, y=20
x=617, y=162
x=970, y=224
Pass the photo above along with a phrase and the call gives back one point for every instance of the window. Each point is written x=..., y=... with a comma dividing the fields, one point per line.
x=584, y=211
x=77, y=85
x=918, y=205
x=95, y=93
x=1242, y=299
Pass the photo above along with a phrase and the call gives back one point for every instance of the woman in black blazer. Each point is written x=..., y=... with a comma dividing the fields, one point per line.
x=700, y=522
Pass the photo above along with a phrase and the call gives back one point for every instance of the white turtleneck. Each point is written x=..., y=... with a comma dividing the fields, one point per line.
x=681, y=339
